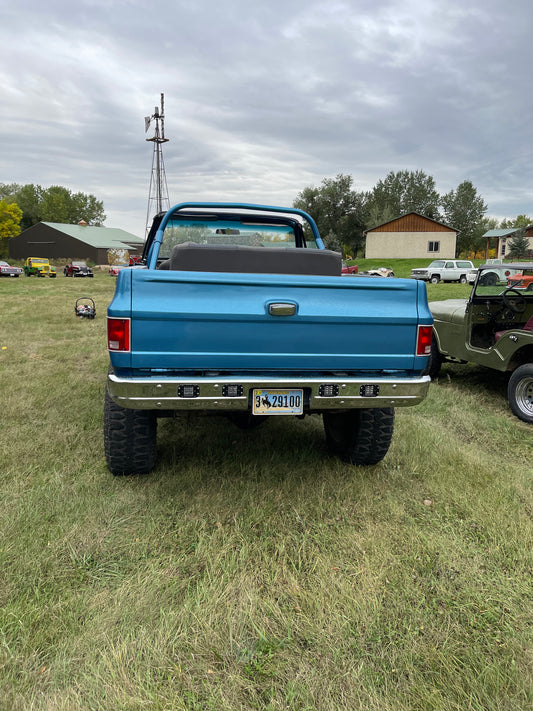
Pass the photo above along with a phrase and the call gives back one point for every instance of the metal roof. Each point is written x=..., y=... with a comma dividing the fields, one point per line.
x=103, y=237
x=501, y=233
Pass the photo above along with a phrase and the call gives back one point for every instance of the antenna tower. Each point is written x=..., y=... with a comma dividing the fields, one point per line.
x=158, y=195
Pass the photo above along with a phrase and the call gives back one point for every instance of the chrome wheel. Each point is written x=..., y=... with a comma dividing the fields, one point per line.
x=520, y=392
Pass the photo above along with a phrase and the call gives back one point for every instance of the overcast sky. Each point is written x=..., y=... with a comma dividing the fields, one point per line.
x=265, y=98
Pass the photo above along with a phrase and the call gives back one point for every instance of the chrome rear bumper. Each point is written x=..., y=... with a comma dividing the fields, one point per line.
x=211, y=393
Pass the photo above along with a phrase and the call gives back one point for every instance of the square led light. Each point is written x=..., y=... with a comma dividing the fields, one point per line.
x=330, y=390
x=188, y=391
x=233, y=390
x=369, y=390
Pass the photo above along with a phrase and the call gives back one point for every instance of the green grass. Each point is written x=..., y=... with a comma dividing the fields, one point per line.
x=252, y=570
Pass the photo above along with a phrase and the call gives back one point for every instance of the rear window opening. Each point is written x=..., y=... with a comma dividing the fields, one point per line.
x=207, y=230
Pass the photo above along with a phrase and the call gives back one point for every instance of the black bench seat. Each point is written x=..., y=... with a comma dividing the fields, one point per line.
x=193, y=257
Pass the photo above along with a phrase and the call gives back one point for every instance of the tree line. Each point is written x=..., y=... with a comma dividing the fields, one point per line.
x=343, y=214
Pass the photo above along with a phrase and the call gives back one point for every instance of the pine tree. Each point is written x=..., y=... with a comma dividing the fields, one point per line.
x=519, y=247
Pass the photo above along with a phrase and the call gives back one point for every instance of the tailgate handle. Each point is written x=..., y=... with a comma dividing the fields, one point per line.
x=281, y=309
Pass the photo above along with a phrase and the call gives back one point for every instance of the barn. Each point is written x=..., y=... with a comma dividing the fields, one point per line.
x=504, y=236
x=54, y=240
x=411, y=236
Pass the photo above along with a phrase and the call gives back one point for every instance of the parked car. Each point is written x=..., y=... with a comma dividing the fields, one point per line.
x=77, y=269
x=378, y=271
x=349, y=268
x=115, y=268
x=493, y=328
x=446, y=270
x=6, y=270
x=39, y=267
x=381, y=271
x=135, y=259
x=521, y=281
x=488, y=275
x=491, y=275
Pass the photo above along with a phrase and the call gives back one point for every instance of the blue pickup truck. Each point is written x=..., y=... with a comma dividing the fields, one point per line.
x=239, y=310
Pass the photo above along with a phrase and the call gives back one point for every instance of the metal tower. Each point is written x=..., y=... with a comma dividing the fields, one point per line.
x=158, y=195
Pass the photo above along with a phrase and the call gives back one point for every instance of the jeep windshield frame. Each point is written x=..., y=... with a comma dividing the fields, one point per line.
x=494, y=279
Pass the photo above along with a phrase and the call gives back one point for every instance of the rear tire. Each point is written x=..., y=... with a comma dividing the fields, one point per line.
x=435, y=360
x=360, y=437
x=520, y=392
x=129, y=439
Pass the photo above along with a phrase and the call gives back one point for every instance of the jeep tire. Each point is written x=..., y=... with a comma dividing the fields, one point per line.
x=129, y=438
x=360, y=437
x=520, y=392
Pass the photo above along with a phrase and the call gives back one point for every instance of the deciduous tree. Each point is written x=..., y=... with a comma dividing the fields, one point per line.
x=59, y=204
x=29, y=198
x=338, y=211
x=53, y=204
x=10, y=216
x=518, y=221
x=463, y=209
x=402, y=192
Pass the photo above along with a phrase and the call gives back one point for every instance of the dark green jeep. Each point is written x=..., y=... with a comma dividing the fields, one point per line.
x=494, y=328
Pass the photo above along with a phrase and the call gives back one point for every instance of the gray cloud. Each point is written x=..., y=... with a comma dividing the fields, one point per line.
x=263, y=100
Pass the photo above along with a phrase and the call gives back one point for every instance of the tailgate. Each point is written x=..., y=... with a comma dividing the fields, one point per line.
x=223, y=322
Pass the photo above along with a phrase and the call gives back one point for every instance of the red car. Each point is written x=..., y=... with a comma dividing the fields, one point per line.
x=349, y=268
x=77, y=269
x=115, y=268
x=6, y=270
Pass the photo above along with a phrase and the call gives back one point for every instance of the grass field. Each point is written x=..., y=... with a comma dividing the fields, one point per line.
x=251, y=570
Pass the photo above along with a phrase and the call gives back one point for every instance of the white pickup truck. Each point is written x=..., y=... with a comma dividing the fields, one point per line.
x=460, y=270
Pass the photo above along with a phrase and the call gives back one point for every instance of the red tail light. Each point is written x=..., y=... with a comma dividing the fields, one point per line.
x=423, y=342
x=118, y=334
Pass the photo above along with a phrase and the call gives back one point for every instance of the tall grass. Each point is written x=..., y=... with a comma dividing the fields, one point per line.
x=252, y=570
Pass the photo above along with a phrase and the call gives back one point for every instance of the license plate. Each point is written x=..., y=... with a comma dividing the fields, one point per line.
x=277, y=402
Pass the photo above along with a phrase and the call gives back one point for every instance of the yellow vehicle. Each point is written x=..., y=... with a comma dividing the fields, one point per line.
x=39, y=267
